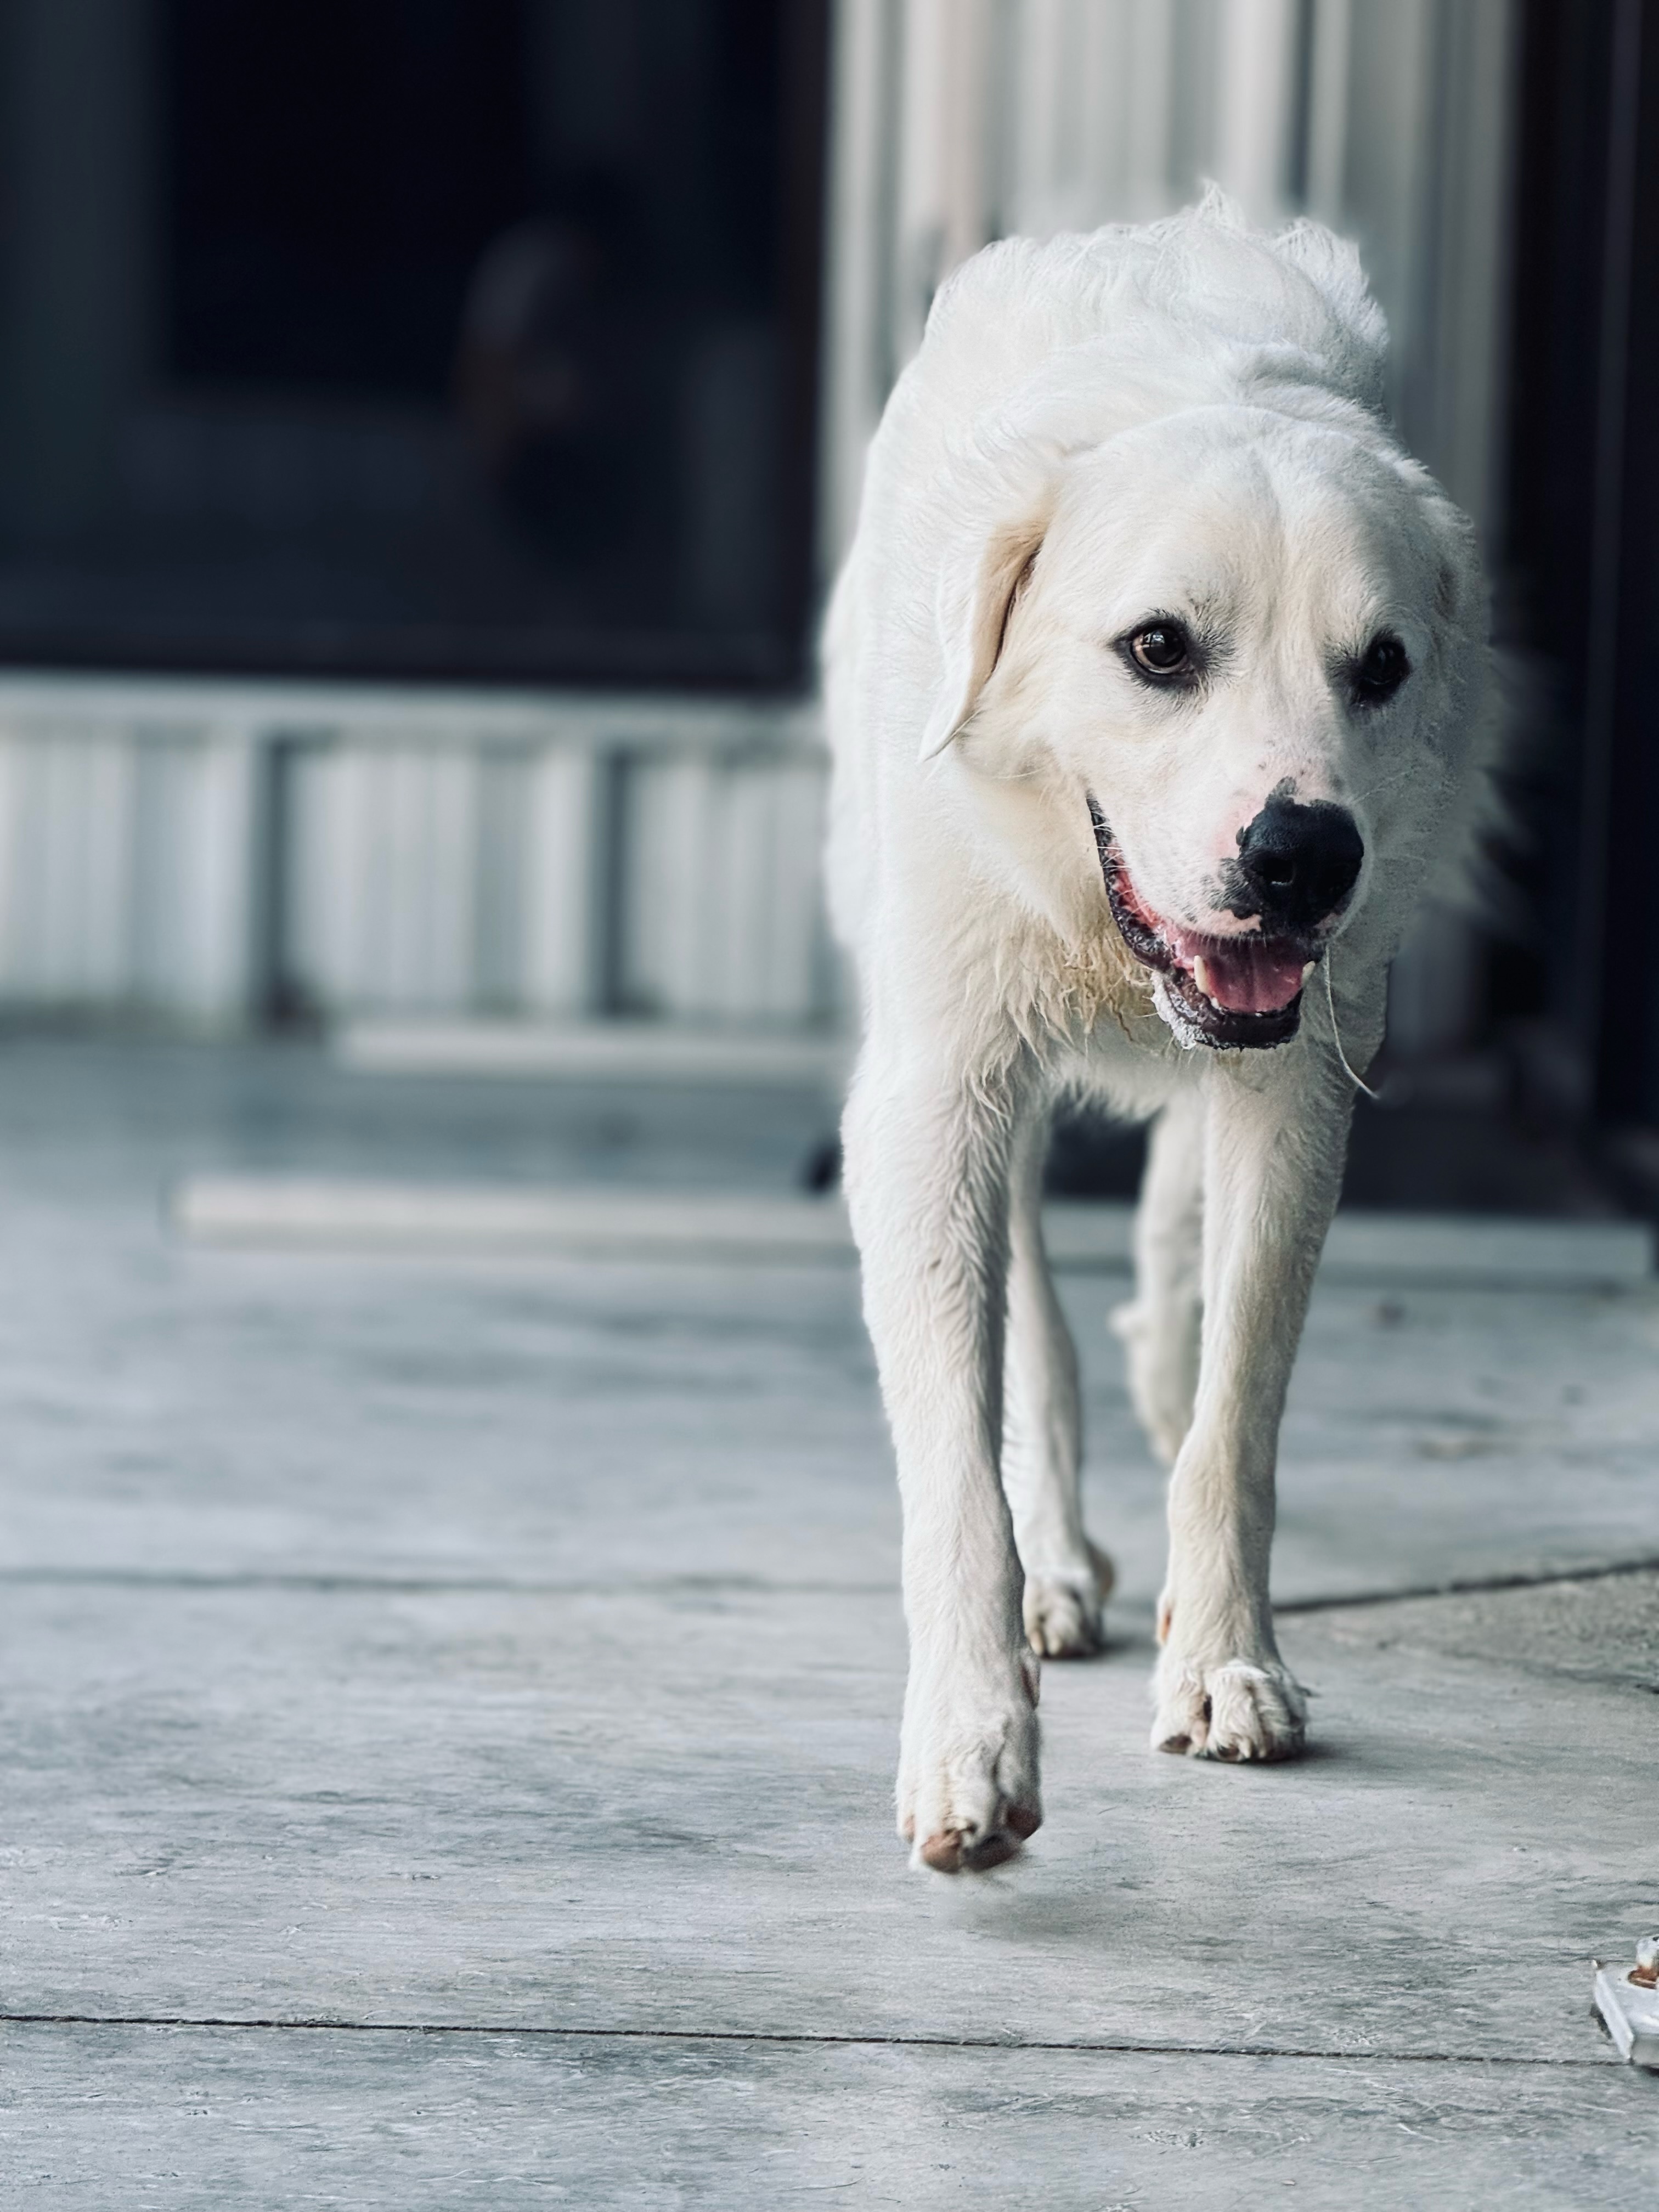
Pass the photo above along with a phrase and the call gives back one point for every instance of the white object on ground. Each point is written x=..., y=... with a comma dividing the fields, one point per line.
x=634, y=1224
x=598, y=1052
x=1629, y=2006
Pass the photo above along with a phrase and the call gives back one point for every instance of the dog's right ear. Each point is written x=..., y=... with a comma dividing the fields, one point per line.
x=971, y=634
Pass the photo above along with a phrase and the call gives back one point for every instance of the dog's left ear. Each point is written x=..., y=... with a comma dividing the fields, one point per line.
x=971, y=634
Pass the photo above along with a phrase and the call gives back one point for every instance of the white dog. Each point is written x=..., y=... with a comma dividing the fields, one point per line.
x=1155, y=680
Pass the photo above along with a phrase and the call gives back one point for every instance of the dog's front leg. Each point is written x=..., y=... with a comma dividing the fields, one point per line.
x=926, y=1162
x=1274, y=1140
x=1066, y=1578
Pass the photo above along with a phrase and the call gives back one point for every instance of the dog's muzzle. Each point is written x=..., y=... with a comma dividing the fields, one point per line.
x=1296, y=868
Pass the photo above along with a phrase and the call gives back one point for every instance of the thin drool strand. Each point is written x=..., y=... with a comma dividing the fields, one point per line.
x=1357, y=1081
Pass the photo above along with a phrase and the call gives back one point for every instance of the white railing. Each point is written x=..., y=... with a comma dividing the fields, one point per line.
x=210, y=850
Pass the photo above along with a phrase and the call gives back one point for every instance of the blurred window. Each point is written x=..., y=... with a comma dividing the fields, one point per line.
x=448, y=337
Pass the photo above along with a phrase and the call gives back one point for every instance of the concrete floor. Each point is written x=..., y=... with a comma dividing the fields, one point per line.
x=447, y=1707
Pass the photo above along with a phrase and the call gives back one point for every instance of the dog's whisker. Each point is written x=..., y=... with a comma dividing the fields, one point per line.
x=1387, y=783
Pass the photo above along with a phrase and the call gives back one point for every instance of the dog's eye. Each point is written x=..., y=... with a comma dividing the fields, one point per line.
x=1380, y=671
x=1161, y=650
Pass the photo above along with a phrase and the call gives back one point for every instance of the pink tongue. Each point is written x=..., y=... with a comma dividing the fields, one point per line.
x=1252, y=978
x=1245, y=975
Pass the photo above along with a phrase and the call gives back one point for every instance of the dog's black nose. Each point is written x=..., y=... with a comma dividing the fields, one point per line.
x=1296, y=864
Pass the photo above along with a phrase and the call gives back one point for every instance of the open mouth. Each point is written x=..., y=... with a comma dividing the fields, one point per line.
x=1231, y=993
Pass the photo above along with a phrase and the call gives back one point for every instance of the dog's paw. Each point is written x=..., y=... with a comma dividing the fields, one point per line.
x=1231, y=1709
x=1062, y=1607
x=967, y=1790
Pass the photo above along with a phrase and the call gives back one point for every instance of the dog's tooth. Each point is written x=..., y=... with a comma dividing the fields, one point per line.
x=1308, y=968
x=1201, y=975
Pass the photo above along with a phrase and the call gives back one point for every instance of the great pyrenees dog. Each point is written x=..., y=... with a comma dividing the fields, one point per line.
x=1156, y=680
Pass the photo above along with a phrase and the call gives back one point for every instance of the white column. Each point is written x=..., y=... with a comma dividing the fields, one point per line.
x=562, y=892
x=859, y=215
x=1255, y=61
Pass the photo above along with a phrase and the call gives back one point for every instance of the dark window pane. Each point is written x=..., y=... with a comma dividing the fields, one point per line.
x=455, y=337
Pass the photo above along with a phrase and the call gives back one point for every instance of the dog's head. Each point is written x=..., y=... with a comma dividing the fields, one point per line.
x=1249, y=641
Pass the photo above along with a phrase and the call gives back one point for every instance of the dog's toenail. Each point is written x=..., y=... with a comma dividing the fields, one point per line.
x=1024, y=1820
x=943, y=1852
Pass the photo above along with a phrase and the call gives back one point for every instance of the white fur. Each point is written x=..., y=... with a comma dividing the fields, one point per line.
x=1184, y=416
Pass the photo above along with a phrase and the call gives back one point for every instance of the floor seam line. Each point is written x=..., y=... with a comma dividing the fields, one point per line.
x=1107, y=2047
x=440, y=1586
x=692, y=1586
x=1475, y=1586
